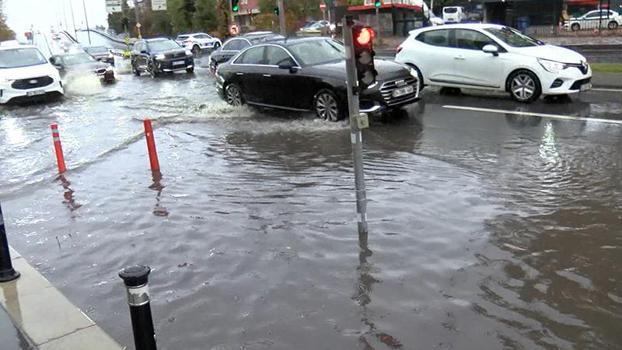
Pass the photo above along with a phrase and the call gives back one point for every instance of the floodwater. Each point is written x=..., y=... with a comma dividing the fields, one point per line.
x=486, y=231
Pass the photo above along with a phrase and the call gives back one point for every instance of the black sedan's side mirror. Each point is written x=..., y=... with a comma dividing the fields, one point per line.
x=292, y=68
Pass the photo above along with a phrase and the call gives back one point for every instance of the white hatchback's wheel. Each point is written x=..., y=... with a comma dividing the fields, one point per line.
x=524, y=86
x=233, y=95
x=326, y=106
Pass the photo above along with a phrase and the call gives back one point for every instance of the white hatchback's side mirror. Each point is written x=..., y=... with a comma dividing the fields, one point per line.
x=492, y=49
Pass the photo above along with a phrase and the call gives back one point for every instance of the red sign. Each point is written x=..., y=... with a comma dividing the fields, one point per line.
x=322, y=6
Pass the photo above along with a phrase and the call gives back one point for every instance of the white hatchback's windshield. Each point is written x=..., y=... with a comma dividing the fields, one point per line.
x=314, y=52
x=513, y=37
x=21, y=57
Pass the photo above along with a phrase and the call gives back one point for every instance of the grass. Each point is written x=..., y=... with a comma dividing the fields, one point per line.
x=607, y=67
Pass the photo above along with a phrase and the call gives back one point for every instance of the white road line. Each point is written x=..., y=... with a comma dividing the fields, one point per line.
x=531, y=114
x=606, y=90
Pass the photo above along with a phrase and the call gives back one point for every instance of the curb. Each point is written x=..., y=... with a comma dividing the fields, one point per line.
x=46, y=317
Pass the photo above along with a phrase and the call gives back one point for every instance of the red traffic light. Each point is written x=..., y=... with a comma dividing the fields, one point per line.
x=364, y=36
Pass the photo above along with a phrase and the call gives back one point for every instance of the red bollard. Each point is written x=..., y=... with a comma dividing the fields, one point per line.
x=151, y=147
x=60, y=158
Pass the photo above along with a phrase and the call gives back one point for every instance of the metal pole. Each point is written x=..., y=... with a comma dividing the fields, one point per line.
x=282, y=18
x=137, y=14
x=73, y=20
x=86, y=20
x=378, y=22
x=136, y=280
x=7, y=273
x=355, y=132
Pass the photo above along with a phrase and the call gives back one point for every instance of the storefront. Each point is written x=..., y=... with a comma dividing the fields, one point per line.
x=523, y=13
x=397, y=18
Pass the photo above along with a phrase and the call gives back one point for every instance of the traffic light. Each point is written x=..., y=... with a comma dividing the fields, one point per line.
x=235, y=5
x=377, y=3
x=276, y=10
x=363, y=37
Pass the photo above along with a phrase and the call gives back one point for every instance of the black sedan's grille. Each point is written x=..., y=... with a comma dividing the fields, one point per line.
x=577, y=84
x=176, y=55
x=389, y=87
x=25, y=84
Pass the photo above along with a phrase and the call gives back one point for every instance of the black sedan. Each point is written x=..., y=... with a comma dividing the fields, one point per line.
x=309, y=74
x=75, y=64
x=161, y=55
x=100, y=53
x=234, y=45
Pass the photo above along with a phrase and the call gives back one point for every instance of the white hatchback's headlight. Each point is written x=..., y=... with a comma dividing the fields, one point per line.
x=551, y=66
x=159, y=57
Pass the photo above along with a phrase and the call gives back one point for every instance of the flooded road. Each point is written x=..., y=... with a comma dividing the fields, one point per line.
x=487, y=231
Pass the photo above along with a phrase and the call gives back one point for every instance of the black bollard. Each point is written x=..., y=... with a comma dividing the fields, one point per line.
x=136, y=279
x=7, y=273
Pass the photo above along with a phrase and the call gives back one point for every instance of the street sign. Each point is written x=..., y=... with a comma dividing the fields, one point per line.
x=113, y=6
x=158, y=5
x=138, y=25
x=322, y=6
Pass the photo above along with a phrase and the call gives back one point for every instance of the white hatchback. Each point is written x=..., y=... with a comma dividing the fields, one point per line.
x=493, y=57
x=26, y=74
x=196, y=42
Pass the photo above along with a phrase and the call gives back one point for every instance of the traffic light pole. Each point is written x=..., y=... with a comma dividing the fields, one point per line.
x=355, y=132
x=282, y=18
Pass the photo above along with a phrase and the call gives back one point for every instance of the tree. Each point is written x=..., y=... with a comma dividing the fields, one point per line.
x=5, y=32
x=205, y=18
x=181, y=12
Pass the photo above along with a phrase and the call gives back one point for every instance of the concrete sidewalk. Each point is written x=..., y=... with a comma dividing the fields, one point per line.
x=44, y=317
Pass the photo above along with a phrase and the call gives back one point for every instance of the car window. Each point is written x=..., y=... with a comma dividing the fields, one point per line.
x=203, y=36
x=139, y=47
x=450, y=9
x=314, y=52
x=235, y=45
x=435, y=37
x=277, y=56
x=251, y=56
x=21, y=57
x=512, y=37
x=163, y=45
x=472, y=40
x=182, y=37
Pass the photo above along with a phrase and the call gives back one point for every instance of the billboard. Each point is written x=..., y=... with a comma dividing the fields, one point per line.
x=158, y=5
x=113, y=6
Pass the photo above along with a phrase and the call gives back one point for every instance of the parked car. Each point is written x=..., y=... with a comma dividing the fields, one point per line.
x=434, y=20
x=25, y=74
x=100, y=53
x=79, y=63
x=453, y=14
x=234, y=45
x=160, y=55
x=196, y=42
x=493, y=57
x=591, y=20
x=309, y=74
x=315, y=28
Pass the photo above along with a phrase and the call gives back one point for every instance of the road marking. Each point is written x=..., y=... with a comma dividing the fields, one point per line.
x=606, y=90
x=532, y=114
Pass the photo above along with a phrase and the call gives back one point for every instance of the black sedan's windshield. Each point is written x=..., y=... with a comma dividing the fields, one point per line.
x=77, y=59
x=163, y=45
x=313, y=52
x=513, y=37
x=15, y=58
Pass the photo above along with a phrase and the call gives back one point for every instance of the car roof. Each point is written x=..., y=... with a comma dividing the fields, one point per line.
x=291, y=41
x=156, y=39
x=479, y=26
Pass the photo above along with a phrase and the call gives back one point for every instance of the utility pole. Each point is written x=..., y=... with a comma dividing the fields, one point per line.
x=355, y=131
x=73, y=20
x=378, y=22
x=282, y=18
x=137, y=14
x=86, y=20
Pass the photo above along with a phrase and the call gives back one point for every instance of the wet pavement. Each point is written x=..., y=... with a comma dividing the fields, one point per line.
x=487, y=230
x=11, y=337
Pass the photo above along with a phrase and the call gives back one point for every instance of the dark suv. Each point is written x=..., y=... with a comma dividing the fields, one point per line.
x=161, y=55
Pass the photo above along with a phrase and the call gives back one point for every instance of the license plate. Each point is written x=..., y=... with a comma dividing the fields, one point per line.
x=179, y=63
x=403, y=91
x=35, y=93
x=586, y=87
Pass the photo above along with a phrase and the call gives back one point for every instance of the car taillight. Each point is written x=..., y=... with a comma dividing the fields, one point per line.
x=399, y=48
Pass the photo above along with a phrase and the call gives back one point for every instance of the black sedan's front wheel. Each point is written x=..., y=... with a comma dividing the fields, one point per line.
x=326, y=106
x=233, y=95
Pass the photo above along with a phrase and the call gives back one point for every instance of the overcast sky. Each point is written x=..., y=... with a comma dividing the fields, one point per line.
x=43, y=14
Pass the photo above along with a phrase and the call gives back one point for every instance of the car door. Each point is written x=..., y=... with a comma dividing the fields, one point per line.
x=284, y=86
x=248, y=72
x=435, y=56
x=472, y=66
x=591, y=20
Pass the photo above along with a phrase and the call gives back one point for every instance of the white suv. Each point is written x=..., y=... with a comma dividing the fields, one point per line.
x=493, y=57
x=25, y=74
x=198, y=41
